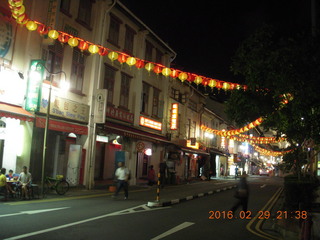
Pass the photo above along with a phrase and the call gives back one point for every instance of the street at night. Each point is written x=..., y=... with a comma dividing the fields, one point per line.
x=92, y=216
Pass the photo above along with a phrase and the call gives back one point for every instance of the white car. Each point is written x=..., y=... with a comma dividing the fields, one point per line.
x=263, y=171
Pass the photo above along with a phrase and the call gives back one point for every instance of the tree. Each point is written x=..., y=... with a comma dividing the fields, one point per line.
x=272, y=65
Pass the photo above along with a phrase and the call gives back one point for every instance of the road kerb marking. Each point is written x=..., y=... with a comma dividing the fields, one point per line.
x=173, y=230
x=260, y=233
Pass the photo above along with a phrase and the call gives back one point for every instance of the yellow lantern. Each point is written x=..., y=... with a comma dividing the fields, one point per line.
x=93, y=49
x=31, y=26
x=73, y=42
x=53, y=34
x=149, y=67
x=19, y=10
x=131, y=61
x=166, y=72
x=198, y=80
x=113, y=56
x=226, y=86
x=183, y=76
x=212, y=83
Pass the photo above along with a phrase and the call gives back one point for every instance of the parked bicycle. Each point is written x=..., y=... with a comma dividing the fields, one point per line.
x=59, y=184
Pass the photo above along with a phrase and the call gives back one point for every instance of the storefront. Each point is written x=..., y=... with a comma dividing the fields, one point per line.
x=66, y=136
x=141, y=148
x=15, y=122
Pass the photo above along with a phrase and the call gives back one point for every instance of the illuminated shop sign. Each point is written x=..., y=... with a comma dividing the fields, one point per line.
x=191, y=145
x=146, y=122
x=174, y=116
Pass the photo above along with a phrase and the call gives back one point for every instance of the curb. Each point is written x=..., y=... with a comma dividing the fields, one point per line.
x=187, y=198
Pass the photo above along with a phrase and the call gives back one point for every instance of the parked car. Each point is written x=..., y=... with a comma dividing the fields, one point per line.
x=263, y=171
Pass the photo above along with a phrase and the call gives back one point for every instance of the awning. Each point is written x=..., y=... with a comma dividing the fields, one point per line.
x=134, y=133
x=62, y=126
x=194, y=151
x=17, y=112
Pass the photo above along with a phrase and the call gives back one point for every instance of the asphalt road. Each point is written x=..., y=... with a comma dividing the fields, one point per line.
x=107, y=218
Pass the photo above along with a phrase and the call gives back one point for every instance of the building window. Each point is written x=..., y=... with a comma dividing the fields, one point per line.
x=148, y=53
x=114, y=30
x=192, y=105
x=159, y=56
x=128, y=40
x=155, y=102
x=145, y=98
x=84, y=13
x=109, y=78
x=124, y=91
x=77, y=71
x=65, y=6
x=188, y=128
x=178, y=96
x=193, y=129
x=54, y=62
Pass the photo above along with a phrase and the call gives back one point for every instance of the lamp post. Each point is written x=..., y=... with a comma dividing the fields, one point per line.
x=44, y=150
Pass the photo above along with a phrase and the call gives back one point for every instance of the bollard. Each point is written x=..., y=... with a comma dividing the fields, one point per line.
x=158, y=188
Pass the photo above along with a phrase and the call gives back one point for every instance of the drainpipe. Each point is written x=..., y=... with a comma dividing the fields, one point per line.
x=92, y=125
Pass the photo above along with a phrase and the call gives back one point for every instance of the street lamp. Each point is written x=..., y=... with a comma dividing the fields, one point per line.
x=44, y=150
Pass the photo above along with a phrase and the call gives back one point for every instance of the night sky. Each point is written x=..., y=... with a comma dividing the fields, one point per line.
x=206, y=34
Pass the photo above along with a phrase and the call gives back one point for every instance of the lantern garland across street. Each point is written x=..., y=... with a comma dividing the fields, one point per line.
x=18, y=12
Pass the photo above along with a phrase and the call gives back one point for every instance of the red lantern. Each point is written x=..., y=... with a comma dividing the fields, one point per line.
x=83, y=45
x=174, y=73
x=190, y=77
x=103, y=51
x=157, y=69
x=63, y=38
x=43, y=30
x=122, y=58
x=139, y=63
x=219, y=84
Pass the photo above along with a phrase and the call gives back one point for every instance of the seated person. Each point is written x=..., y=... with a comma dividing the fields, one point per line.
x=3, y=183
x=24, y=181
x=11, y=176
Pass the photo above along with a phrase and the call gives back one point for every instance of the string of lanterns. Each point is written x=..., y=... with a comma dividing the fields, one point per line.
x=269, y=152
x=18, y=12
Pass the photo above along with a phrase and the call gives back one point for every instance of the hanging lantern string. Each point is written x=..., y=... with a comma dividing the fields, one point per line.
x=18, y=8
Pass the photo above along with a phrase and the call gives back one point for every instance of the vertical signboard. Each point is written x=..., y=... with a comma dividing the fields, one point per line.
x=100, y=106
x=36, y=72
x=174, y=116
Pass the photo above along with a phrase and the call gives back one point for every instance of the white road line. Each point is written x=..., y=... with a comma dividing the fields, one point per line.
x=122, y=212
x=32, y=212
x=262, y=186
x=173, y=230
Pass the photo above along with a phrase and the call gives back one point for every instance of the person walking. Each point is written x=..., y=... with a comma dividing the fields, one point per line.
x=122, y=174
x=151, y=176
x=242, y=194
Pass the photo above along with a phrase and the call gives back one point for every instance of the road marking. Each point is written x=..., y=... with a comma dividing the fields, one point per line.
x=262, y=186
x=32, y=212
x=173, y=230
x=121, y=212
x=268, y=206
x=68, y=198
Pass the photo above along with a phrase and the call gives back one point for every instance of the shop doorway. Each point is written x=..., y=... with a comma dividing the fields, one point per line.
x=99, y=161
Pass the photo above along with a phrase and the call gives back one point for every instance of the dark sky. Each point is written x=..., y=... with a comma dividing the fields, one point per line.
x=206, y=34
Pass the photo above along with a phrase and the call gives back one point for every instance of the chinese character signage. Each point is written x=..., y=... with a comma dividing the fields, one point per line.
x=146, y=122
x=64, y=108
x=174, y=116
x=36, y=72
x=119, y=114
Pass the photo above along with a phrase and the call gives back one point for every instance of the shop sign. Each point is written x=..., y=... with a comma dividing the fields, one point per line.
x=7, y=33
x=190, y=144
x=100, y=105
x=66, y=108
x=36, y=72
x=119, y=114
x=9, y=92
x=140, y=146
x=174, y=116
x=146, y=122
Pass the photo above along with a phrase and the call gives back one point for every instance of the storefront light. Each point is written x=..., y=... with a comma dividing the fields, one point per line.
x=148, y=152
